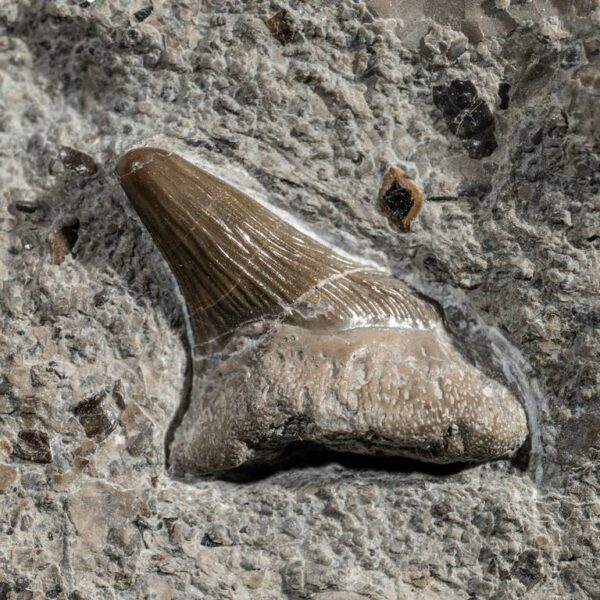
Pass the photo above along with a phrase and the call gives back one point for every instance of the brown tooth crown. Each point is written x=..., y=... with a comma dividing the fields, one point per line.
x=314, y=346
x=235, y=260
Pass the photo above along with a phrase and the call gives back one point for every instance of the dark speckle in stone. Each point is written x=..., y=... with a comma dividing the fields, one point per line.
x=20, y=204
x=280, y=28
x=398, y=200
x=33, y=445
x=63, y=239
x=143, y=13
x=538, y=136
x=481, y=146
x=26, y=206
x=119, y=394
x=441, y=509
x=54, y=592
x=572, y=55
x=467, y=116
x=94, y=420
x=527, y=569
x=503, y=92
x=452, y=99
x=101, y=298
x=474, y=120
x=83, y=164
x=5, y=386
x=131, y=37
x=208, y=541
x=21, y=584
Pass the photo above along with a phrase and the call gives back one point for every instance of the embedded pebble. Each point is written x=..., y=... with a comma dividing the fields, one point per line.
x=280, y=27
x=75, y=160
x=467, y=116
x=94, y=419
x=143, y=13
x=33, y=445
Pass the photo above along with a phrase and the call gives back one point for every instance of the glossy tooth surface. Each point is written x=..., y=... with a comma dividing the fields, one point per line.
x=312, y=345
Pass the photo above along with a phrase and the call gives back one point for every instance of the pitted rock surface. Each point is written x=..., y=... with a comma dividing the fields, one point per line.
x=313, y=124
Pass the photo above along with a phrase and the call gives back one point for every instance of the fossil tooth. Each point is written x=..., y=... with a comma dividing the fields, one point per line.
x=297, y=342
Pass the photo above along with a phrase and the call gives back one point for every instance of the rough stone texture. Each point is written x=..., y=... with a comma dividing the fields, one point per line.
x=312, y=124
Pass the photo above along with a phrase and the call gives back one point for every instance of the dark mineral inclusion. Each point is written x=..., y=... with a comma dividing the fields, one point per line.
x=398, y=200
x=94, y=420
x=33, y=445
x=467, y=116
x=80, y=162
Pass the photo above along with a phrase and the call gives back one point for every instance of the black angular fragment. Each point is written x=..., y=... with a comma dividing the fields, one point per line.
x=33, y=445
x=143, y=13
x=209, y=542
x=94, y=420
x=452, y=99
x=465, y=113
x=26, y=206
x=503, y=91
x=481, y=146
x=467, y=116
x=398, y=200
x=473, y=121
x=83, y=164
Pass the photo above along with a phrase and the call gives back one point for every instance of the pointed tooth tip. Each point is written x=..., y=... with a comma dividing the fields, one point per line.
x=137, y=158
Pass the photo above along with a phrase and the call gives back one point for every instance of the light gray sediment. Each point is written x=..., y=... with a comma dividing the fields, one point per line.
x=311, y=126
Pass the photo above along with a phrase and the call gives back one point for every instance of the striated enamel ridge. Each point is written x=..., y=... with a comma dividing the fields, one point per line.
x=296, y=342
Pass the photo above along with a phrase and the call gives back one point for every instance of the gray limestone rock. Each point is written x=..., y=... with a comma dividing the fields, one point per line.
x=507, y=243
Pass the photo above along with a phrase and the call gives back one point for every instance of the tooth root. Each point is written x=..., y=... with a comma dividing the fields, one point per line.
x=371, y=390
x=346, y=356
